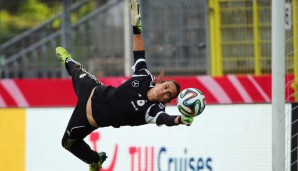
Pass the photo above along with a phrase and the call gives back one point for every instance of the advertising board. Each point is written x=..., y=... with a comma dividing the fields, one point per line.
x=224, y=137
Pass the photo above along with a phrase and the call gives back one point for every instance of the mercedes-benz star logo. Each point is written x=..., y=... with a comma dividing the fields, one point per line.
x=135, y=83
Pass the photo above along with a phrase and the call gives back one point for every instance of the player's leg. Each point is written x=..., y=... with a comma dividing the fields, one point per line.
x=78, y=127
x=73, y=139
x=81, y=79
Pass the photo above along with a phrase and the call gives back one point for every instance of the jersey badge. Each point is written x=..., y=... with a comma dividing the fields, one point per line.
x=140, y=102
x=135, y=83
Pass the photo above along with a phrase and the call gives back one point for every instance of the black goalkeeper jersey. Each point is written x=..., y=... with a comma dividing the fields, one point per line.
x=127, y=104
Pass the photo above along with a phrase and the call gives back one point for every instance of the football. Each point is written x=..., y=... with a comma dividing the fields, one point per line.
x=191, y=102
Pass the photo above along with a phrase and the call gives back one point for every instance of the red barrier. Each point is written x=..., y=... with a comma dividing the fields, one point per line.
x=218, y=90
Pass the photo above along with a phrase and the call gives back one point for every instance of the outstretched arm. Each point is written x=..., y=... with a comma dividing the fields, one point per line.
x=135, y=19
x=138, y=43
x=172, y=120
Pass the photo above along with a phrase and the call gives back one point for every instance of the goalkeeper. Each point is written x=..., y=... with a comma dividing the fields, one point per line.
x=138, y=101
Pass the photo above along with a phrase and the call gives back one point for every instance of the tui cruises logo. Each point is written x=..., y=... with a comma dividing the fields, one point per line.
x=151, y=158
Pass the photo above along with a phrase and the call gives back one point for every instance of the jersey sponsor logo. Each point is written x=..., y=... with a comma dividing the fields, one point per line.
x=135, y=83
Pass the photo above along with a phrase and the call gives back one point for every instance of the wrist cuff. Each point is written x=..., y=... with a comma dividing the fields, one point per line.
x=139, y=54
x=136, y=30
x=180, y=120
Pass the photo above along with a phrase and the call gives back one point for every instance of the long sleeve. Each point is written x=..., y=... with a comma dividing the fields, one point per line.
x=168, y=120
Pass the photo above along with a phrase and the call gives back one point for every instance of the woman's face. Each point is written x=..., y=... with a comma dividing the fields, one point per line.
x=162, y=92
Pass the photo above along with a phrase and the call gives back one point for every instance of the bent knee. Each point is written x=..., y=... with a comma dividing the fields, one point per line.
x=67, y=142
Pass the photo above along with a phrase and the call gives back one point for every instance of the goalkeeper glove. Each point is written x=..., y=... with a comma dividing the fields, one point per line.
x=135, y=14
x=185, y=120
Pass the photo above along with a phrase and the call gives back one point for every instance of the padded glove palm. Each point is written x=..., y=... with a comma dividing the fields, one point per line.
x=135, y=14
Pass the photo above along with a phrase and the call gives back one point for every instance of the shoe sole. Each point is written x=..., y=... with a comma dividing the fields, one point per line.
x=60, y=51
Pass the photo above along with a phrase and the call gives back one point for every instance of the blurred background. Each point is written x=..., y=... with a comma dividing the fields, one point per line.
x=222, y=47
x=190, y=37
x=94, y=31
x=182, y=38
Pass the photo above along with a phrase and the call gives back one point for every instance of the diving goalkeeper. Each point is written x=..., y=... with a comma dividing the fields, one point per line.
x=138, y=101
